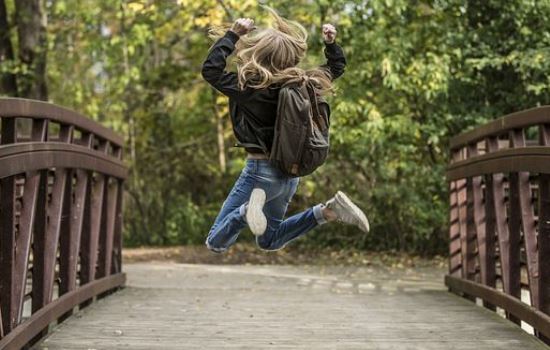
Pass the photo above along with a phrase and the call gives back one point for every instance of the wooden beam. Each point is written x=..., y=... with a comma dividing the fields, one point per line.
x=8, y=301
x=522, y=210
x=26, y=222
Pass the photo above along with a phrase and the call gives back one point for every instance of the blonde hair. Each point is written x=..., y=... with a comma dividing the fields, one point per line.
x=270, y=56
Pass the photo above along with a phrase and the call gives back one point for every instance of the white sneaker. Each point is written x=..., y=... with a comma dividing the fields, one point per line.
x=255, y=216
x=348, y=212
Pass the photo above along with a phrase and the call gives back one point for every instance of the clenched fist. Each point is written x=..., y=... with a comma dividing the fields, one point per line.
x=329, y=33
x=243, y=26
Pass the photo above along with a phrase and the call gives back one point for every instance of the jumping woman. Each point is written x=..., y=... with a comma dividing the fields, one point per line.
x=266, y=60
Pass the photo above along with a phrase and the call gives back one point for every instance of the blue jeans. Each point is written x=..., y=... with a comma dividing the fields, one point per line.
x=279, y=190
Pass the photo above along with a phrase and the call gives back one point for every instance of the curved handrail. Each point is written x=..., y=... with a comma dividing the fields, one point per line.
x=499, y=191
x=60, y=212
x=531, y=159
x=518, y=120
x=19, y=107
x=29, y=156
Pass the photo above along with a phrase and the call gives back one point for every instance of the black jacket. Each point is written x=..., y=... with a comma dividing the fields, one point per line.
x=253, y=111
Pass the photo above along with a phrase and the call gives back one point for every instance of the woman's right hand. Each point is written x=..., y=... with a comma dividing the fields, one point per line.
x=329, y=33
x=243, y=26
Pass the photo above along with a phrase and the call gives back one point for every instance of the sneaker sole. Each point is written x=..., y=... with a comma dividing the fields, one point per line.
x=255, y=216
x=344, y=200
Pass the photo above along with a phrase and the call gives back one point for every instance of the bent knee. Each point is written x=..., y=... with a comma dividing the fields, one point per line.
x=263, y=244
x=216, y=248
x=267, y=241
x=266, y=244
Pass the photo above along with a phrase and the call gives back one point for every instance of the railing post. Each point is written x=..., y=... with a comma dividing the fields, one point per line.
x=522, y=206
x=107, y=242
x=7, y=236
x=39, y=242
x=484, y=217
x=468, y=241
x=461, y=198
x=26, y=222
x=107, y=226
x=56, y=208
x=102, y=203
x=117, y=240
x=90, y=254
x=509, y=255
x=478, y=224
x=543, y=239
x=71, y=244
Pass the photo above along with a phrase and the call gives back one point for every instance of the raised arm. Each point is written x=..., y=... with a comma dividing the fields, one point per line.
x=213, y=68
x=336, y=60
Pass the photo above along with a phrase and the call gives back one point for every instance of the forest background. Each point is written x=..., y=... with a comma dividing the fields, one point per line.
x=419, y=72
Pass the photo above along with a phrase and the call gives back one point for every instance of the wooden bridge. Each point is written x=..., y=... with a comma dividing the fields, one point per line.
x=62, y=285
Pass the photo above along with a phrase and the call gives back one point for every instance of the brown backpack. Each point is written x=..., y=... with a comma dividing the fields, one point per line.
x=301, y=139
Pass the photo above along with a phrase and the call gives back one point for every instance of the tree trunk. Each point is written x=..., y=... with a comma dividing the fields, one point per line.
x=220, y=133
x=33, y=47
x=8, y=82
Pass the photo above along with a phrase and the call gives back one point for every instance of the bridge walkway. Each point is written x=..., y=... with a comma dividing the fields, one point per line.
x=180, y=306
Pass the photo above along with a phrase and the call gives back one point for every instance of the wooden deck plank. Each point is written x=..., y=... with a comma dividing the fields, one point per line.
x=176, y=306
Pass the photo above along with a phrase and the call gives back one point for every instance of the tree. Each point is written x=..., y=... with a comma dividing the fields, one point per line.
x=23, y=67
x=31, y=29
x=8, y=83
x=418, y=73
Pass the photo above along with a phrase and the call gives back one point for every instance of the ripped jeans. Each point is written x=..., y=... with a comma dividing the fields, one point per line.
x=279, y=190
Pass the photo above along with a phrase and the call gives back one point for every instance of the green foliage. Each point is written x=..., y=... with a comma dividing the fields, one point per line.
x=419, y=72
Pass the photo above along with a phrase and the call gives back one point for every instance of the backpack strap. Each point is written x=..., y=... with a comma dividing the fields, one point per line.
x=315, y=104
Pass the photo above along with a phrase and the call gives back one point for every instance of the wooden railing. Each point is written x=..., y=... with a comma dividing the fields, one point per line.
x=499, y=180
x=61, y=188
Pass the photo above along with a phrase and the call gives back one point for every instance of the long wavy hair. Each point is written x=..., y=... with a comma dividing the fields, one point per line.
x=270, y=56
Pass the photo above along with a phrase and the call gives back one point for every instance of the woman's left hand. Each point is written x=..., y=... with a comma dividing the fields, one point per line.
x=243, y=26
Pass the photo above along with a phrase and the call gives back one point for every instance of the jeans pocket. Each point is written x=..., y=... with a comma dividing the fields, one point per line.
x=264, y=169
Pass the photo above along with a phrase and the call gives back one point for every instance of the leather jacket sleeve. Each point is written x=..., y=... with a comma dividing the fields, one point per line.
x=336, y=60
x=213, y=68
